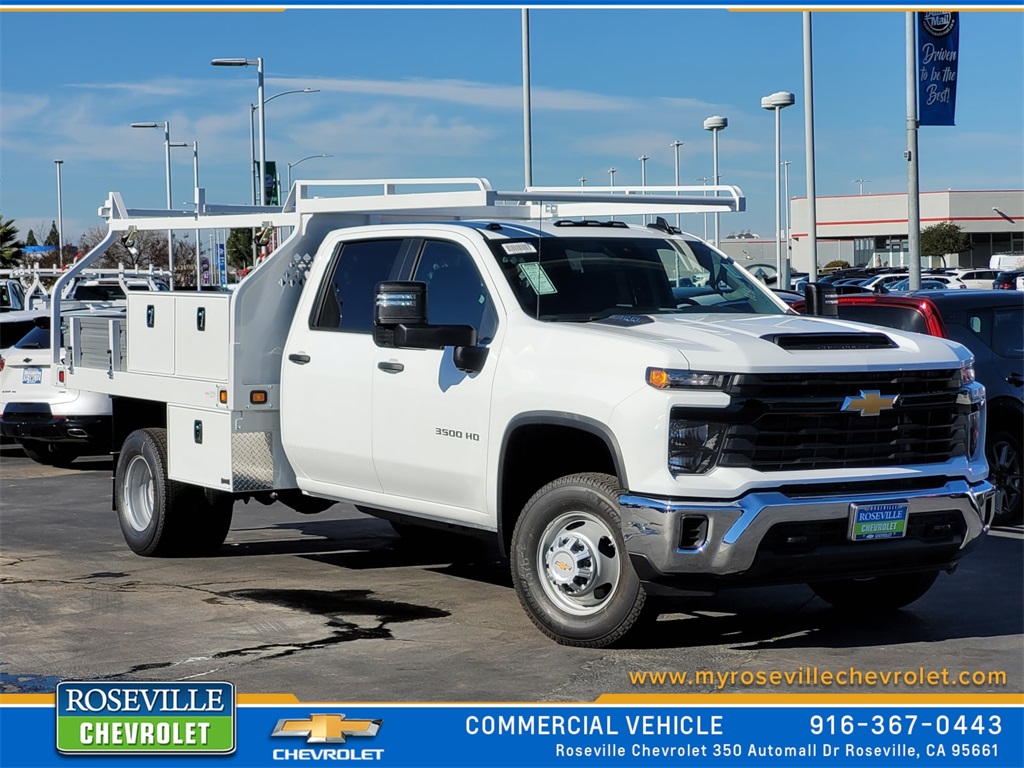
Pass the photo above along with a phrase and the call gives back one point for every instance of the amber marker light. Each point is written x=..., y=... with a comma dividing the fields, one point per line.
x=222, y=395
x=657, y=377
x=258, y=397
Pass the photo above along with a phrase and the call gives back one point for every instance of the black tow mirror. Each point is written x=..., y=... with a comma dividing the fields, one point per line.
x=821, y=299
x=400, y=302
x=400, y=320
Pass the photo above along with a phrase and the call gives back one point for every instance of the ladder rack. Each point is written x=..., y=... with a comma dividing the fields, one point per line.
x=379, y=200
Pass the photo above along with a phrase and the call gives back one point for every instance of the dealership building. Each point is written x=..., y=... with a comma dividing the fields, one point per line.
x=871, y=229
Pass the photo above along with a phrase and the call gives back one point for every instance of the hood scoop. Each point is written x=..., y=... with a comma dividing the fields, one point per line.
x=816, y=341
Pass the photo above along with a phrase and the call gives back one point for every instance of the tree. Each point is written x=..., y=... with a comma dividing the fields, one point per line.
x=239, y=247
x=53, y=238
x=10, y=246
x=31, y=239
x=944, y=238
x=148, y=248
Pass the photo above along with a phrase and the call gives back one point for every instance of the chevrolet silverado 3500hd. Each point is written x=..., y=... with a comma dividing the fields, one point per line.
x=625, y=408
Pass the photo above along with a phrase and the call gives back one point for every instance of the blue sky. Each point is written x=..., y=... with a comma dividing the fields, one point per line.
x=431, y=92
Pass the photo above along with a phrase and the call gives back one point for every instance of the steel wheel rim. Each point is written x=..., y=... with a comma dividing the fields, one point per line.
x=138, y=493
x=579, y=563
x=1006, y=474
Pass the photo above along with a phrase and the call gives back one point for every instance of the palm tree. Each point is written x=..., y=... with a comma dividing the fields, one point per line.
x=10, y=246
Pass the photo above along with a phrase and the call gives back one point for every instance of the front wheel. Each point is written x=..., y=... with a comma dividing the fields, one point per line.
x=877, y=595
x=570, y=566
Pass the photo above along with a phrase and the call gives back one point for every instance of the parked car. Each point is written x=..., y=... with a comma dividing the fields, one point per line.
x=1009, y=281
x=885, y=280
x=990, y=324
x=12, y=296
x=53, y=424
x=15, y=324
x=974, y=277
x=928, y=283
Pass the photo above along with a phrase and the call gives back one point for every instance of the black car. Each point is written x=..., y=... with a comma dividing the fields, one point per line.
x=1007, y=281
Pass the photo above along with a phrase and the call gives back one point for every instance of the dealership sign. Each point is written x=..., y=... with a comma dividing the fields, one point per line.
x=938, y=54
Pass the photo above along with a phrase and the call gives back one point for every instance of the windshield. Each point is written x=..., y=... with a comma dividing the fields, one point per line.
x=589, y=278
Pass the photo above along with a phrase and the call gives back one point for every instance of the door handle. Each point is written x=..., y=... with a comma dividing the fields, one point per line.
x=389, y=367
x=1015, y=379
x=300, y=359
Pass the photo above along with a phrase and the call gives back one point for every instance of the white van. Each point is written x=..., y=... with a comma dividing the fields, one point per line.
x=1006, y=262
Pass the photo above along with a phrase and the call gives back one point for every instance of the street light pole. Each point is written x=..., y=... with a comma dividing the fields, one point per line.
x=789, y=248
x=195, y=195
x=527, y=109
x=705, y=180
x=676, y=145
x=60, y=219
x=258, y=62
x=716, y=123
x=583, y=181
x=777, y=102
x=170, y=199
x=252, y=134
x=611, y=176
x=862, y=182
x=292, y=165
x=643, y=175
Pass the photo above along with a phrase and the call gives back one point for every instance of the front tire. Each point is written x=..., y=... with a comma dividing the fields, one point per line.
x=569, y=564
x=877, y=595
x=160, y=517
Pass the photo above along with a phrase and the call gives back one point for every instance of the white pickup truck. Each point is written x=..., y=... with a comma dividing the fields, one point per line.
x=625, y=408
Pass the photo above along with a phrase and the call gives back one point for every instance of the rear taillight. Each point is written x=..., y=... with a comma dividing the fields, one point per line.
x=2, y=362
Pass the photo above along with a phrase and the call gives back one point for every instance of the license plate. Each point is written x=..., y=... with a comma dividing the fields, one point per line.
x=31, y=375
x=871, y=522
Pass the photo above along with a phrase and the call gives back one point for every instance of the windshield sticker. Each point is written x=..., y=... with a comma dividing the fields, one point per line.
x=513, y=248
x=537, y=278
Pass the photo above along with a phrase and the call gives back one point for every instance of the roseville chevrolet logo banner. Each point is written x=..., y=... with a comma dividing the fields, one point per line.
x=192, y=720
x=145, y=718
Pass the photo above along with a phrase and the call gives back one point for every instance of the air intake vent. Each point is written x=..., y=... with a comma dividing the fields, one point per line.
x=814, y=341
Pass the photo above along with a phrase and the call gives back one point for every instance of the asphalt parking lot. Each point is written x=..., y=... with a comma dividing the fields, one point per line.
x=334, y=607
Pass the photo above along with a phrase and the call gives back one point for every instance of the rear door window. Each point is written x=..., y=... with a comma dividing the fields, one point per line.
x=1008, y=333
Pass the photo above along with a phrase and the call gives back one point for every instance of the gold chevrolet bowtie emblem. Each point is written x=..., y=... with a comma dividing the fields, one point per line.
x=870, y=403
x=324, y=729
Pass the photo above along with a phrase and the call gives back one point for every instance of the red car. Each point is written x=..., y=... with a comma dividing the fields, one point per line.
x=989, y=324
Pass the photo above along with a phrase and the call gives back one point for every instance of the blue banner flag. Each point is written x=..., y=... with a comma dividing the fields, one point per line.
x=938, y=53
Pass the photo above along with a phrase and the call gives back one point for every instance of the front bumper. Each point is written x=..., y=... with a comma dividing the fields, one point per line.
x=771, y=537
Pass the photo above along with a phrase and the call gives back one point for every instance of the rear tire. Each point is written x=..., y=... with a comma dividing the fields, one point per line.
x=160, y=517
x=51, y=454
x=570, y=567
x=877, y=595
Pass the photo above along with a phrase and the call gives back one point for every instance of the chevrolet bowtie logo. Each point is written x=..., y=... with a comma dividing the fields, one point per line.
x=326, y=729
x=870, y=403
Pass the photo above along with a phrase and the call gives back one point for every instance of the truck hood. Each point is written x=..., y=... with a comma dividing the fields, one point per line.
x=752, y=343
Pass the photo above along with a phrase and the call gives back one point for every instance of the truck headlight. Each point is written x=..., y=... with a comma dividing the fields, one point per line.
x=693, y=446
x=673, y=378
